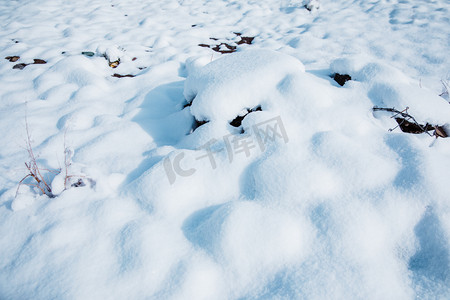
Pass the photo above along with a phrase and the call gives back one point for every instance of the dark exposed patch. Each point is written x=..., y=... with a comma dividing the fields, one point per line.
x=142, y=68
x=197, y=124
x=238, y=120
x=79, y=183
x=12, y=58
x=219, y=48
x=410, y=127
x=229, y=47
x=84, y=181
x=121, y=76
x=311, y=6
x=88, y=53
x=38, y=61
x=246, y=40
x=20, y=66
x=341, y=79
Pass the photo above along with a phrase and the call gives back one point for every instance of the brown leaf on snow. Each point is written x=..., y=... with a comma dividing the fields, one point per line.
x=12, y=58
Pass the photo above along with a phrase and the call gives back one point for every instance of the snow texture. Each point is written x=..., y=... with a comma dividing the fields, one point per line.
x=310, y=196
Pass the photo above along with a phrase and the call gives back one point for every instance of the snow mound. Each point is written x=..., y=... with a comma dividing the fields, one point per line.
x=252, y=240
x=223, y=88
x=22, y=201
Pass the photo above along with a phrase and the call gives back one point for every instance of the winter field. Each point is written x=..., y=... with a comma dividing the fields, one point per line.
x=222, y=149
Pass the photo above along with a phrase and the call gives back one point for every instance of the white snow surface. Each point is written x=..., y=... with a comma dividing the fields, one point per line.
x=228, y=85
x=312, y=197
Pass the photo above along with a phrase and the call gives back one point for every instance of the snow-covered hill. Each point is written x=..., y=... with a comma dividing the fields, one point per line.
x=224, y=149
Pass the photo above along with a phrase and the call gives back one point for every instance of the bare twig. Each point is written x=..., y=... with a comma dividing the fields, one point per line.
x=34, y=171
x=405, y=120
x=20, y=183
x=33, y=168
x=57, y=171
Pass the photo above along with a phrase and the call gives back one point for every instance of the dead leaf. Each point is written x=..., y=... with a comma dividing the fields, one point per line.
x=12, y=58
x=114, y=64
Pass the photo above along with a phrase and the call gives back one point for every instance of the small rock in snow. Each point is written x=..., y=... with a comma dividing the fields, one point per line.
x=341, y=79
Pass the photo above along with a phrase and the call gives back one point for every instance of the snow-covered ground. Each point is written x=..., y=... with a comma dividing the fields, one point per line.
x=307, y=196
